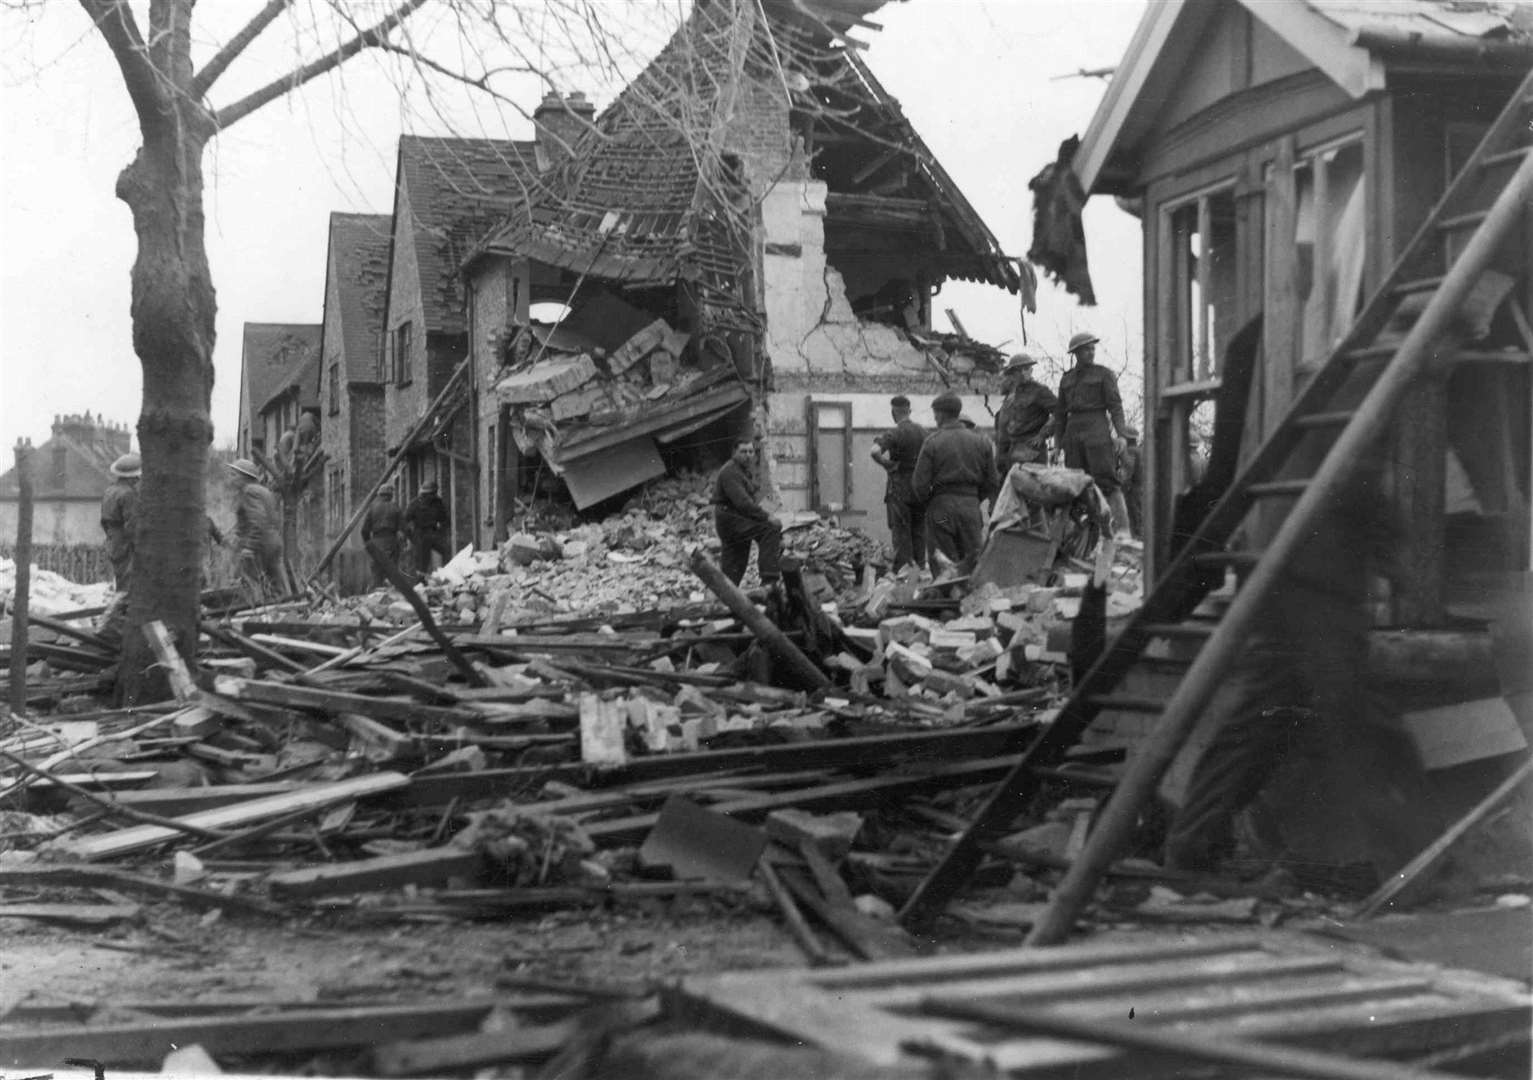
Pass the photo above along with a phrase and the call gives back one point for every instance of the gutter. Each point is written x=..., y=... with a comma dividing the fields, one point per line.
x=1395, y=46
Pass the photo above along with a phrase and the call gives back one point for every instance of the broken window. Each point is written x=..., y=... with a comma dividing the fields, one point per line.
x=1203, y=285
x=402, y=354
x=1330, y=245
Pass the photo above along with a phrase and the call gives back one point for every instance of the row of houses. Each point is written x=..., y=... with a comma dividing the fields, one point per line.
x=746, y=241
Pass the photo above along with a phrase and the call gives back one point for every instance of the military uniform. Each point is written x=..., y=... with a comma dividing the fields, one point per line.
x=382, y=526
x=119, y=520
x=258, y=539
x=955, y=471
x=906, y=516
x=427, y=518
x=1131, y=479
x=740, y=520
x=1023, y=424
x=1088, y=399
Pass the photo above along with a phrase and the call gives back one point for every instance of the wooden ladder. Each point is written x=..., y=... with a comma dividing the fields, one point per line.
x=1486, y=201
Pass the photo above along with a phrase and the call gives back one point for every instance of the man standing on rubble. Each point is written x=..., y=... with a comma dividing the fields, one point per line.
x=382, y=525
x=257, y=532
x=1026, y=419
x=1088, y=400
x=740, y=519
x=426, y=517
x=954, y=473
x=119, y=517
x=896, y=451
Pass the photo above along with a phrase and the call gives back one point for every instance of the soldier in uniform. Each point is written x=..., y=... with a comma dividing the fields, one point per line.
x=119, y=517
x=741, y=520
x=426, y=517
x=1131, y=479
x=954, y=473
x=897, y=451
x=257, y=532
x=1026, y=419
x=1088, y=400
x=382, y=525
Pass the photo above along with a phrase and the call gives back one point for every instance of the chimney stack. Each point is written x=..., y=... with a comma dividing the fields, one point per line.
x=559, y=123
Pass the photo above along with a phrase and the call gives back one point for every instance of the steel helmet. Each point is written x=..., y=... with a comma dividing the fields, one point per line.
x=246, y=468
x=128, y=466
x=1081, y=340
x=1018, y=362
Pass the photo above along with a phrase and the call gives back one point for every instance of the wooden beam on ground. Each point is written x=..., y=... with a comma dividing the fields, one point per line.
x=799, y=669
x=338, y=701
x=173, y=801
x=146, y=1042
x=253, y=649
x=71, y=875
x=434, y=866
x=517, y=1045
x=866, y=751
x=143, y=837
x=181, y=682
x=1434, y=852
x=406, y=589
x=1265, y=1058
x=58, y=626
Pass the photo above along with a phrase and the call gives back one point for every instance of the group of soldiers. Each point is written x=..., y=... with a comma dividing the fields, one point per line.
x=423, y=523
x=257, y=533
x=938, y=480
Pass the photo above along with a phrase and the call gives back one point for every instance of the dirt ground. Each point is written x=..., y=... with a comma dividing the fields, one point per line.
x=169, y=954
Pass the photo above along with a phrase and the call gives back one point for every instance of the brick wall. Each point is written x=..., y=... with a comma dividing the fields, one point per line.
x=759, y=133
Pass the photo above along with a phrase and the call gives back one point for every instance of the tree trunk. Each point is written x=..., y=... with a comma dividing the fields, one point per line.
x=173, y=330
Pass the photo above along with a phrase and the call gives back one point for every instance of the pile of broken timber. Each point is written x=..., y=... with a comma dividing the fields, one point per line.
x=309, y=770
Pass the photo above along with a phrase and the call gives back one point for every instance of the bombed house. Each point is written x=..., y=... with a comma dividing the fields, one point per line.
x=723, y=253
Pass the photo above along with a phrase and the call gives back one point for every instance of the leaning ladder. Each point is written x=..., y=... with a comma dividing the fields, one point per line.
x=1486, y=201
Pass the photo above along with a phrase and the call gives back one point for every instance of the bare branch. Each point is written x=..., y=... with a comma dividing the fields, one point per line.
x=236, y=45
x=114, y=18
x=229, y=115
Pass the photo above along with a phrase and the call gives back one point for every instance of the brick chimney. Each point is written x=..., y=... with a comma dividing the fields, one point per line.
x=559, y=123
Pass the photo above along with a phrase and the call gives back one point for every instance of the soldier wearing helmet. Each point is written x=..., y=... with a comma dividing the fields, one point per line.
x=257, y=532
x=119, y=517
x=1026, y=417
x=896, y=451
x=426, y=518
x=1090, y=409
x=954, y=472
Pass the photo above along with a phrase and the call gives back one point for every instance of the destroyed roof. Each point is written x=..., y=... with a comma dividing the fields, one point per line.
x=1353, y=42
x=457, y=190
x=267, y=353
x=359, y=259
x=294, y=354
x=645, y=197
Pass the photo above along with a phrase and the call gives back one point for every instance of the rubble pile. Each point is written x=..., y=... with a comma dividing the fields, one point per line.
x=50, y=593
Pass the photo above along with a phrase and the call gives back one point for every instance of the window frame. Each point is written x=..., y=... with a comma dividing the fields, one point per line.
x=402, y=343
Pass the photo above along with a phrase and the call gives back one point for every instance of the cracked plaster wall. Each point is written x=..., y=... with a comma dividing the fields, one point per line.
x=810, y=325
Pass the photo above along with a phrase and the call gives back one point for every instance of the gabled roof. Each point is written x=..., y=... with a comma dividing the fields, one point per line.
x=359, y=261
x=1353, y=42
x=641, y=199
x=457, y=190
x=271, y=361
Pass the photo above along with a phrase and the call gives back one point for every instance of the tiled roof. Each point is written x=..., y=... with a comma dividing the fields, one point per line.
x=272, y=359
x=359, y=258
x=458, y=189
x=1434, y=20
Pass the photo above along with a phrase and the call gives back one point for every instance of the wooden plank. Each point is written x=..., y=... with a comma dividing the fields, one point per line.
x=61, y=875
x=338, y=701
x=430, y=867
x=172, y=802
x=71, y=914
x=870, y=751
x=838, y=796
x=602, y=728
x=1224, y=1000
x=181, y=682
x=1209, y=1048
x=146, y=1042
x=141, y=837
x=378, y=741
x=1058, y=986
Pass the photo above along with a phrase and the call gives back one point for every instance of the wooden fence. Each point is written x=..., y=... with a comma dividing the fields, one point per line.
x=83, y=564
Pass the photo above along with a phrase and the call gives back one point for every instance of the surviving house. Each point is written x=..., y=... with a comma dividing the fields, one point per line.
x=746, y=242
x=1337, y=207
x=69, y=473
x=350, y=380
x=448, y=193
x=273, y=360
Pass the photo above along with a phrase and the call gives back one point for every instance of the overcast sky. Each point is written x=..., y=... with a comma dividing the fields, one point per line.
x=979, y=79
